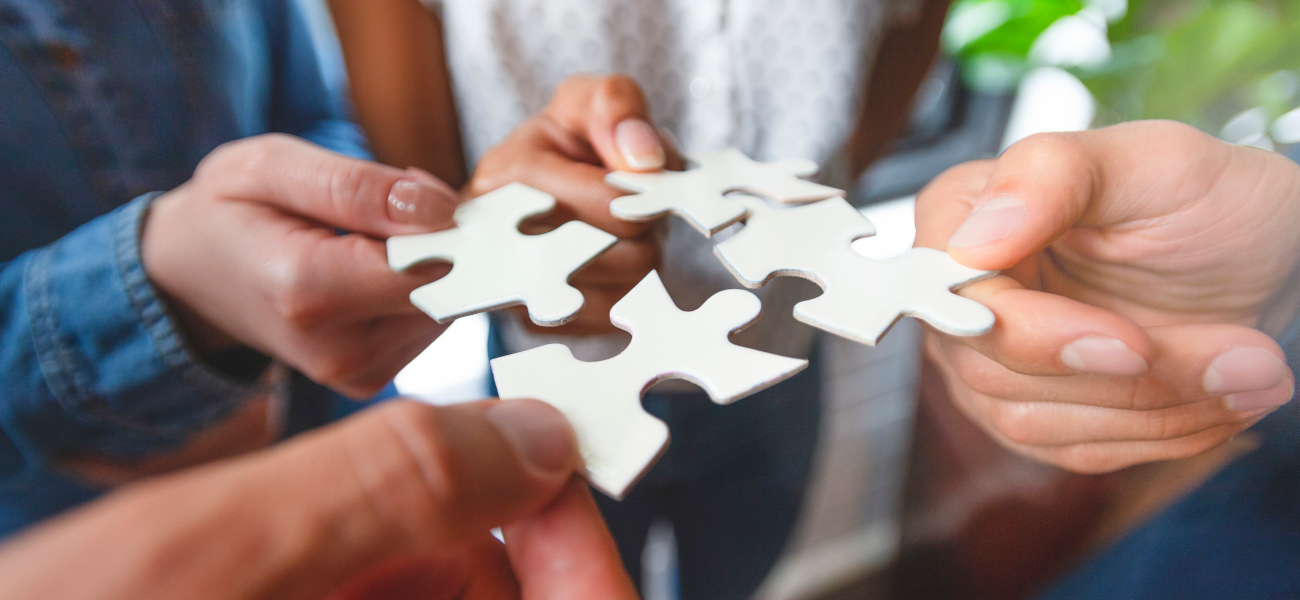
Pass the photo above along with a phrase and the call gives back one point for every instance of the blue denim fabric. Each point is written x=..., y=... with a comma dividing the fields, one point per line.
x=1235, y=536
x=102, y=102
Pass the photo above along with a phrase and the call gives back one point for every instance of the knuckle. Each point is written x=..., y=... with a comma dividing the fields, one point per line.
x=981, y=375
x=618, y=87
x=347, y=185
x=1089, y=459
x=292, y=293
x=333, y=370
x=1018, y=422
x=572, y=84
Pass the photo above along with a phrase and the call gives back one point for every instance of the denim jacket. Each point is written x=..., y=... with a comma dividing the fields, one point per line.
x=101, y=103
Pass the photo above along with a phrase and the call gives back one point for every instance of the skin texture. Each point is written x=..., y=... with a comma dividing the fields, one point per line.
x=566, y=150
x=248, y=254
x=394, y=503
x=401, y=89
x=1151, y=235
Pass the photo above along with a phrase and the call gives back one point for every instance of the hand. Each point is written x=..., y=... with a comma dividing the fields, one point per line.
x=396, y=502
x=592, y=125
x=1139, y=261
x=248, y=253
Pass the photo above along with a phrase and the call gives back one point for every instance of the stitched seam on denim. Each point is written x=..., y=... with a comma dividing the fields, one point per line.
x=57, y=361
x=219, y=394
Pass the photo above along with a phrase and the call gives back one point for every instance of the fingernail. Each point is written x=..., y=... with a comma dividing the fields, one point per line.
x=638, y=142
x=538, y=433
x=419, y=203
x=1102, y=356
x=1249, y=378
x=1252, y=401
x=989, y=222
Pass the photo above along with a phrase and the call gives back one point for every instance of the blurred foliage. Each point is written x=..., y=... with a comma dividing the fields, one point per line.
x=992, y=38
x=1196, y=61
x=1199, y=62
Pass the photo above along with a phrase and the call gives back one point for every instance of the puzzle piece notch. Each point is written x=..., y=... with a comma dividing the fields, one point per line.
x=495, y=266
x=700, y=195
x=618, y=439
x=861, y=298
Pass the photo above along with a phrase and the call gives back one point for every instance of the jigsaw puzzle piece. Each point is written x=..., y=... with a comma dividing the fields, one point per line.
x=699, y=195
x=694, y=345
x=406, y=251
x=495, y=266
x=861, y=298
x=787, y=241
x=617, y=438
x=602, y=400
x=661, y=194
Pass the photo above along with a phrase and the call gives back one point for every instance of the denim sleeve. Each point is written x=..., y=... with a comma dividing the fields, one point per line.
x=90, y=360
x=309, y=95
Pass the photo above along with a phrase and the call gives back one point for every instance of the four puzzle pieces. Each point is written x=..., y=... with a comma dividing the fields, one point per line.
x=862, y=298
x=618, y=439
x=698, y=195
x=494, y=265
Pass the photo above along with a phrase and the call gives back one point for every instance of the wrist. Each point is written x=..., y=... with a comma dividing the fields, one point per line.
x=161, y=257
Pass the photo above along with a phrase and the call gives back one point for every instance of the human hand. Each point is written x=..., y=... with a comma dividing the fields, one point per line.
x=593, y=125
x=396, y=502
x=248, y=254
x=1139, y=261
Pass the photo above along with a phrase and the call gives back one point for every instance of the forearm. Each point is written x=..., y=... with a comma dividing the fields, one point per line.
x=208, y=533
x=92, y=361
x=902, y=63
x=401, y=87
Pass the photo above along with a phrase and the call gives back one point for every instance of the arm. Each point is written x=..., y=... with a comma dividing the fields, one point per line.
x=401, y=84
x=94, y=361
x=91, y=359
x=395, y=502
x=303, y=101
x=905, y=57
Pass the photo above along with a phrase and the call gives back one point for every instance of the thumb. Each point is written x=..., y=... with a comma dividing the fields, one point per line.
x=613, y=115
x=309, y=181
x=421, y=479
x=302, y=520
x=1043, y=186
x=1037, y=190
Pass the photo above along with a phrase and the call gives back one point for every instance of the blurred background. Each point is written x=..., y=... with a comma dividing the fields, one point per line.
x=893, y=513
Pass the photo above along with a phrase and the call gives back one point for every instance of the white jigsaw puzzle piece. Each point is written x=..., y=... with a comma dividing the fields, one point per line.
x=617, y=438
x=495, y=266
x=699, y=195
x=861, y=298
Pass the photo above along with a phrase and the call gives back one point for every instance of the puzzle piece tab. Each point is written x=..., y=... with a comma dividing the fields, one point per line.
x=699, y=195
x=861, y=298
x=618, y=439
x=494, y=265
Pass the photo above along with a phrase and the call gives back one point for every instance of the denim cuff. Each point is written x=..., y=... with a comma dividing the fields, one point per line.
x=109, y=349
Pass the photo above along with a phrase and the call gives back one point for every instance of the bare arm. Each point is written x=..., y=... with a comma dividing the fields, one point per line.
x=400, y=84
x=905, y=57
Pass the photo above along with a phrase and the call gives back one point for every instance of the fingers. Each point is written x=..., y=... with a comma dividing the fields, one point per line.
x=415, y=479
x=1190, y=363
x=303, y=520
x=565, y=552
x=475, y=571
x=1037, y=333
x=612, y=114
x=1049, y=183
x=543, y=154
x=338, y=191
x=1206, y=383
